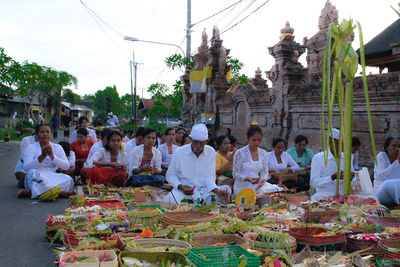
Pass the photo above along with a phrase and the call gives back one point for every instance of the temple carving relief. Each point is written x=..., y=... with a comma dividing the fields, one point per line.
x=293, y=104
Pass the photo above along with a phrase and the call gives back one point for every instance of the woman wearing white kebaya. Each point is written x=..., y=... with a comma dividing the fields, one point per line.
x=168, y=148
x=281, y=163
x=387, y=173
x=250, y=165
x=41, y=161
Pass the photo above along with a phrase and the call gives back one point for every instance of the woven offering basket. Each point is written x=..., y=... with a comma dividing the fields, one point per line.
x=113, y=263
x=159, y=245
x=165, y=205
x=146, y=218
x=354, y=244
x=321, y=216
x=289, y=247
x=296, y=199
x=153, y=257
x=246, y=215
x=200, y=241
x=305, y=236
x=182, y=218
x=385, y=221
x=222, y=256
x=388, y=249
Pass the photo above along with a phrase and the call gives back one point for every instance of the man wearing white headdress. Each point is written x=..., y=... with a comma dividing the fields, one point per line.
x=323, y=176
x=192, y=170
x=112, y=120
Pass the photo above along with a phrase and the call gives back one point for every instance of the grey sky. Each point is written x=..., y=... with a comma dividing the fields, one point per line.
x=62, y=34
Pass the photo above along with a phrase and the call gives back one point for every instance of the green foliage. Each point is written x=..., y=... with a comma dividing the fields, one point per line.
x=177, y=61
x=397, y=12
x=158, y=90
x=236, y=66
x=9, y=70
x=345, y=64
x=87, y=97
x=32, y=80
x=165, y=105
x=23, y=124
x=69, y=96
x=107, y=100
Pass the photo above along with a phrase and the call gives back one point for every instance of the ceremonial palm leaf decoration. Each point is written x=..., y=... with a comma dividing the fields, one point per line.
x=338, y=89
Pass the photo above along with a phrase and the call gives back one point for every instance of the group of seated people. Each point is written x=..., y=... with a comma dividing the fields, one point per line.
x=194, y=169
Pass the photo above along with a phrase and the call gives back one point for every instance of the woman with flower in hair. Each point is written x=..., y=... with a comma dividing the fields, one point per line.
x=250, y=164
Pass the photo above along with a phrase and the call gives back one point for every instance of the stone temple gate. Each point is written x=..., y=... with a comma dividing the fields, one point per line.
x=293, y=105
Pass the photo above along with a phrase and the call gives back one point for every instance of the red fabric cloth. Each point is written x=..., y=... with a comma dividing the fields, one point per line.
x=98, y=175
x=81, y=155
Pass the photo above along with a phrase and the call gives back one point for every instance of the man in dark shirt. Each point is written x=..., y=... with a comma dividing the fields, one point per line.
x=66, y=121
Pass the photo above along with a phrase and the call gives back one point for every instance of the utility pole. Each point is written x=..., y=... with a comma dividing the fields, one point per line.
x=188, y=28
x=134, y=92
x=132, y=105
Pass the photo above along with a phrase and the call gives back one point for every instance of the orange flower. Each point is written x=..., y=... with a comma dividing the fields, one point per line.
x=221, y=244
x=288, y=223
x=137, y=189
x=361, y=223
x=320, y=234
x=281, y=210
x=190, y=225
x=147, y=233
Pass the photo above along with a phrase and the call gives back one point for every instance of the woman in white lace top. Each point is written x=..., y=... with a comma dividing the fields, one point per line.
x=250, y=165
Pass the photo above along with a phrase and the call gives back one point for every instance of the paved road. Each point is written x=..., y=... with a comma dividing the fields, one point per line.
x=22, y=241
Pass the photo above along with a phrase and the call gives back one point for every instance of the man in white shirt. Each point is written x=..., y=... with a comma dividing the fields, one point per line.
x=112, y=120
x=323, y=177
x=136, y=141
x=192, y=171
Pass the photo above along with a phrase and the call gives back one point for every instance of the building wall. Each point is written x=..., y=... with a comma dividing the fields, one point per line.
x=305, y=113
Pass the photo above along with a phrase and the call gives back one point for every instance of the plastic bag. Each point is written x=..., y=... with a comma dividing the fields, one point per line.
x=365, y=182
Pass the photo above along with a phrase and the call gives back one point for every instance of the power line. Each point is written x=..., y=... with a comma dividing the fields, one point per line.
x=240, y=13
x=94, y=16
x=99, y=18
x=254, y=11
x=219, y=12
x=222, y=18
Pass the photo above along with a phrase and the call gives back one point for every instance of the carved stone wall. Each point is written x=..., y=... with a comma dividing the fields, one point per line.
x=293, y=105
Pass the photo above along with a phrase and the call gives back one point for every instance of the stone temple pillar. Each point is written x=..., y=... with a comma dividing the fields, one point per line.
x=285, y=74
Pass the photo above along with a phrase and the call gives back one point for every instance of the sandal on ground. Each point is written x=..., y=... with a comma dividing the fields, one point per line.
x=50, y=195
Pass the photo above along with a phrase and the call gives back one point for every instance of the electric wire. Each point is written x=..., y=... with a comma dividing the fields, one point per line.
x=254, y=11
x=99, y=18
x=94, y=16
x=240, y=13
x=219, y=12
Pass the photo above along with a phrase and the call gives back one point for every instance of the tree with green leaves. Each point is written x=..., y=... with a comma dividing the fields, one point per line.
x=30, y=80
x=236, y=66
x=9, y=70
x=177, y=61
x=69, y=96
x=158, y=90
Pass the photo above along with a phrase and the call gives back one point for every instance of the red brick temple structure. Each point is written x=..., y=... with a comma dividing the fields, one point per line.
x=293, y=104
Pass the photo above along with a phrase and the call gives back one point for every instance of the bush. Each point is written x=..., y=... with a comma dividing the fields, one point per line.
x=11, y=133
x=23, y=124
